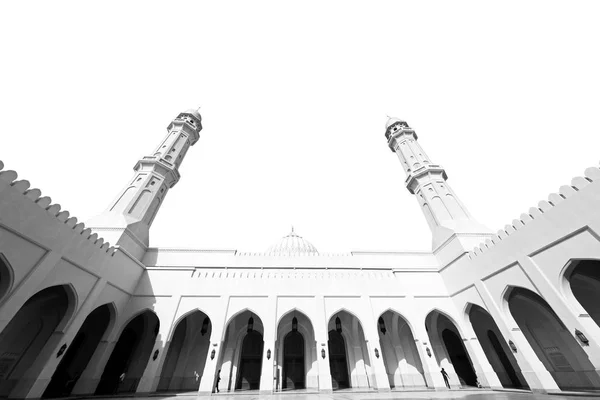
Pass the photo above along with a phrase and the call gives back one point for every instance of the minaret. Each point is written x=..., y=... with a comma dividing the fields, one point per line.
x=444, y=212
x=127, y=220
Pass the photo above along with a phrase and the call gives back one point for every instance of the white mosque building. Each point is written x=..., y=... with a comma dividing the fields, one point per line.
x=518, y=308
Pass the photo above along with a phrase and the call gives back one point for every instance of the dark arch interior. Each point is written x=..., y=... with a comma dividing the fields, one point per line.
x=27, y=333
x=79, y=353
x=496, y=348
x=130, y=355
x=552, y=342
x=459, y=358
x=293, y=361
x=338, y=361
x=5, y=276
x=585, y=284
x=187, y=354
x=250, y=362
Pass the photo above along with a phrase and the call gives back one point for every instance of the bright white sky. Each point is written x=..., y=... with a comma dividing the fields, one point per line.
x=294, y=97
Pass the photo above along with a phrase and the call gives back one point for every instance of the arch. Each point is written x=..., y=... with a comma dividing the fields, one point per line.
x=394, y=311
x=234, y=359
x=581, y=285
x=130, y=355
x=32, y=333
x=6, y=277
x=343, y=310
x=237, y=314
x=445, y=338
x=552, y=342
x=181, y=318
x=358, y=364
x=296, y=371
x=292, y=310
x=399, y=351
x=187, y=352
x=79, y=352
x=495, y=347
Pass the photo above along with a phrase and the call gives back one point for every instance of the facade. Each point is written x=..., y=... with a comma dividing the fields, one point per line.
x=79, y=316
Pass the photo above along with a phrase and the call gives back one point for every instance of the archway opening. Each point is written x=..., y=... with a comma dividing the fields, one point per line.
x=186, y=357
x=293, y=361
x=399, y=352
x=79, y=353
x=242, y=353
x=128, y=359
x=496, y=349
x=296, y=353
x=585, y=285
x=348, y=357
x=554, y=345
x=449, y=349
x=28, y=332
x=250, y=362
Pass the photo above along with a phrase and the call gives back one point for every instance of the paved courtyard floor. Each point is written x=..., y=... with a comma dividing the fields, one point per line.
x=421, y=395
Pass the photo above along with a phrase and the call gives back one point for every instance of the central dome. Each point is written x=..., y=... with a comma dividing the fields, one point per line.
x=292, y=245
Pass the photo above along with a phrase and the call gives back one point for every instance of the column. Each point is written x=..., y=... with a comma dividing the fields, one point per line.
x=322, y=338
x=267, y=376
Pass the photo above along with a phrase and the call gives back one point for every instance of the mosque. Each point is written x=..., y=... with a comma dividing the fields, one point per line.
x=92, y=309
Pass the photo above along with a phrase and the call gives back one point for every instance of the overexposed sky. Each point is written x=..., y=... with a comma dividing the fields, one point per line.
x=294, y=96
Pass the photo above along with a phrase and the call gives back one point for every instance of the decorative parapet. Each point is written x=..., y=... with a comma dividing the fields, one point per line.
x=564, y=192
x=309, y=255
x=45, y=202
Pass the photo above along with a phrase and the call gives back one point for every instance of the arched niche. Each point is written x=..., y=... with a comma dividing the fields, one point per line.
x=349, y=361
x=240, y=359
x=496, y=348
x=296, y=353
x=24, y=339
x=449, y=349
x=130, y=355
x=583, y=277
x=552, y=342
x=186, y=356
x=6, y=277
x=79, y=352
x=399, y=352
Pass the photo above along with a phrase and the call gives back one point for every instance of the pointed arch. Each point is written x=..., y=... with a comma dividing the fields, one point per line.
x=33, y=332
x=182, y=317
x=291, y=310
x=79, y=352
x=550, y=339
x=343, y=309
x=395, y=311
x=495, y=347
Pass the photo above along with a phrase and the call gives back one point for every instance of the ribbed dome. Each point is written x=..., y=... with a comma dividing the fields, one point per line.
x=292, y=245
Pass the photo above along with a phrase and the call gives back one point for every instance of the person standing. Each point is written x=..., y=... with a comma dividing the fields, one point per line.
x=218, y=380
x=445, y=375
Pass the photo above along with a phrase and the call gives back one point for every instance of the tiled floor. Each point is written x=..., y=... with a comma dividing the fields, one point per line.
x=349, y=395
